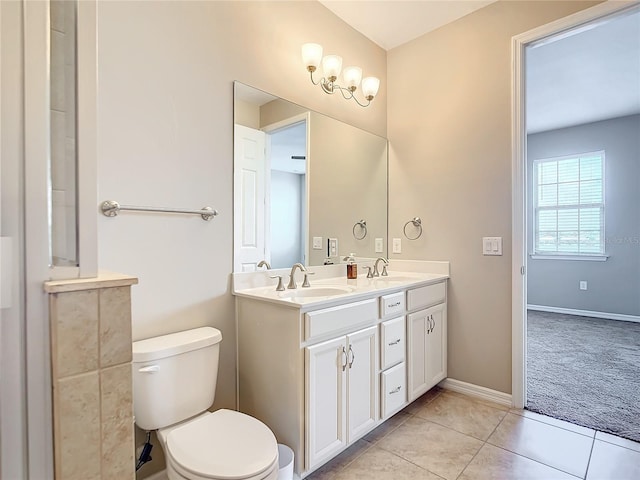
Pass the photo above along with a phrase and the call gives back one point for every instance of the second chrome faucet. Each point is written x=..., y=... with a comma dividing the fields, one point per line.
x=292, y=276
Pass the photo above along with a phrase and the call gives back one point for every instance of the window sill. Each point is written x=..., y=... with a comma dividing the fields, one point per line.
x=584, y=258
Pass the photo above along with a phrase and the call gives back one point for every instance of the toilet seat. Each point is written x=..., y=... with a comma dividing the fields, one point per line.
x=223, y=445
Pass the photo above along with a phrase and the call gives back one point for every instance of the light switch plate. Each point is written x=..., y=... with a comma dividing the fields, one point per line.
x=317, y=243
x=583, y=284
x=379, y=245
x=397, y=245
x=492, y=245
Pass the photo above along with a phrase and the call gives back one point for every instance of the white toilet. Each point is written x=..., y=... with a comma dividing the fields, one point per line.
x=174, y=383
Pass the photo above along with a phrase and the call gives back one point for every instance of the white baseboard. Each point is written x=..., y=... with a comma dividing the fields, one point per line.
x=585, y=313
x=477, y=391
x=161, y=475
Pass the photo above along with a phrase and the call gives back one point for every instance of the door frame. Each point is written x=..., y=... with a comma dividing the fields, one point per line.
x=273, y=128
x=550, y=32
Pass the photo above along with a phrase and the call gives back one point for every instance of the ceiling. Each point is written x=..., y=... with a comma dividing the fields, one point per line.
x=392, y=23
x=590, y=75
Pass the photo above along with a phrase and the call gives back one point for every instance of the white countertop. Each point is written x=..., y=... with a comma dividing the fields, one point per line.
x=327, y=292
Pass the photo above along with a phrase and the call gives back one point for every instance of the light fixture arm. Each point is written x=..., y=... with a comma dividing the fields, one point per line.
x=330, y=87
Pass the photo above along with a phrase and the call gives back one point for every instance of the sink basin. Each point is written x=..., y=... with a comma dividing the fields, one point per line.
x=313, y=292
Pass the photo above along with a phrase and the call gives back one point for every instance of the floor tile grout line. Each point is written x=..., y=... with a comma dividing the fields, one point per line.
x=532, y=459
x=458, y=431
x=558, y=426
x=593, y=444
x=617, y=444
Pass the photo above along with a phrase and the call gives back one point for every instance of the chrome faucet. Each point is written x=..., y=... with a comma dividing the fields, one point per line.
x=264, y=263
x=376, y=272
x=292, y=279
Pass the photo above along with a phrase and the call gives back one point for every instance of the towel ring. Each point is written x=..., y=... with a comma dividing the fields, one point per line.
x=416, y=223
x=363, y=226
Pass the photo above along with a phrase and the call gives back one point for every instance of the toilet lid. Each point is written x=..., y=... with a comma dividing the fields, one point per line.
x=223, y=445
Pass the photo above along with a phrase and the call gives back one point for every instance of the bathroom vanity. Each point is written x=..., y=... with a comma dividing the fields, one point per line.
x=324, y=365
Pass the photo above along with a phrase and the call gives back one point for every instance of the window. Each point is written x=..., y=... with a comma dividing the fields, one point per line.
x=568, y=197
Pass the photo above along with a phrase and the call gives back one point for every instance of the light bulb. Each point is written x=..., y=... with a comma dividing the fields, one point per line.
x=370, y=87
x=332, y=64
x=311, y=56
x=352, y=77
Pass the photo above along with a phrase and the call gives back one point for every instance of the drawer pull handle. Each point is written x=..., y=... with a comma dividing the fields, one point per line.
x=344, y=354
x=395, y=390
x=395, y=342
x=391, y=305
x=353, y=356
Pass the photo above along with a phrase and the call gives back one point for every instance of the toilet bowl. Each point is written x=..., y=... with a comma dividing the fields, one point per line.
x=222, y=445
x=174, y=379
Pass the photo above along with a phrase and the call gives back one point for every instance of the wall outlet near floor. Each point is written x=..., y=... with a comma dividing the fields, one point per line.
x=379, y=245
x=397, y=245
x=583, y=284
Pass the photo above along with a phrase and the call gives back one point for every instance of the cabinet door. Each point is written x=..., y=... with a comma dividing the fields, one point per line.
x=326, y=399
x=362, y=380
x=417, y=354
x=436, y=361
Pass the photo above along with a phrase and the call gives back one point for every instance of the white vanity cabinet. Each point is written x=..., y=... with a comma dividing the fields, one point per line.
x=427, y=338
x=322, y=375
x=342, y=392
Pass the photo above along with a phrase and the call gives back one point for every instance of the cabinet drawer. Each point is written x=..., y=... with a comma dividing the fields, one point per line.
x=391, y=304
x=426, y=296
x=392, y=335
x=340, y=319
x=394, y=392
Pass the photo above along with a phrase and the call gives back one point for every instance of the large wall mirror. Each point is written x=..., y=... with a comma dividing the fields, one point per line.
x=63, y=134
x=307, y=188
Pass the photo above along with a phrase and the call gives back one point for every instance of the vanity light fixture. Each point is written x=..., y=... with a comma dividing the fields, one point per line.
x=331, y=66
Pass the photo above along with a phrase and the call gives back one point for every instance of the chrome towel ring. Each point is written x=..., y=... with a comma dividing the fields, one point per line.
x=416, y=223
x=363, y=229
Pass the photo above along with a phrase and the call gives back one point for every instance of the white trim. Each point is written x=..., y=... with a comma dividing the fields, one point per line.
x=87, y=181
x=537, y=36
x=585, y=313
x=477, y=391
x=577, y=257
x=36, y=172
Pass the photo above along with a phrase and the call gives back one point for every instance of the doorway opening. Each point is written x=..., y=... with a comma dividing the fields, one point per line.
x=576, y=267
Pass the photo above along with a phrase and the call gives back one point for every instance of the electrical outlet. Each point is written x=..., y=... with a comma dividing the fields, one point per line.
x=333, y=247
x=317, y=243
x=379, y=245
x=583, y=284
x=397, y=245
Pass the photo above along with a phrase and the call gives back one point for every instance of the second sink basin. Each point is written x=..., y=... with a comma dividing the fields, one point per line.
x=312, y=292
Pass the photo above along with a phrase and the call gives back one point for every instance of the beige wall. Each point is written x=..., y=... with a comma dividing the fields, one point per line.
x=165, y=138
x=449, y=128
x=348, y=183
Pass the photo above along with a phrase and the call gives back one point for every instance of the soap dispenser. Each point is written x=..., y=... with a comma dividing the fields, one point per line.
x=352, y=267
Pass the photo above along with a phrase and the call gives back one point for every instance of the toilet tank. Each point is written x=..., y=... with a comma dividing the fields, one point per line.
x=174, y=376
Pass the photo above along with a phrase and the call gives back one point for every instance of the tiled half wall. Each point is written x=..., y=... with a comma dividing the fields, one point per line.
x=91, y=376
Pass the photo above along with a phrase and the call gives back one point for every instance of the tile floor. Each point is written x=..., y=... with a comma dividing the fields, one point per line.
x=446, y=435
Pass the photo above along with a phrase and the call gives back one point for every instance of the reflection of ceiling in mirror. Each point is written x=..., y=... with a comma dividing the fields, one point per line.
x=288, y=143
x=252, y=95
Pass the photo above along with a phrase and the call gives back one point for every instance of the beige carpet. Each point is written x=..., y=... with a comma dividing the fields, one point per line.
x=585, y=370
